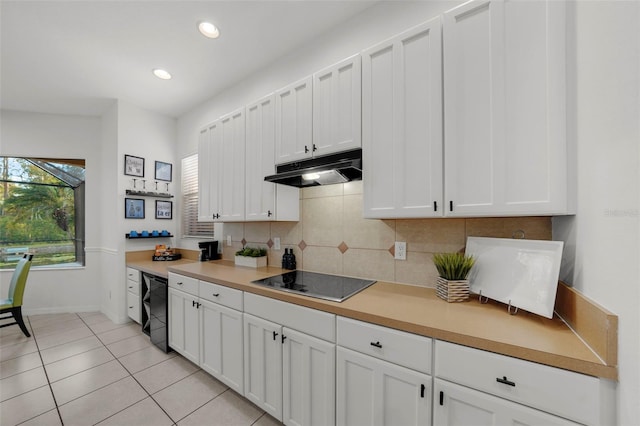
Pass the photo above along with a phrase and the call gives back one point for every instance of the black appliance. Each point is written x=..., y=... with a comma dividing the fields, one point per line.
x=208, y=250
x=323, y=170
x=323, y=286
x=159, y=314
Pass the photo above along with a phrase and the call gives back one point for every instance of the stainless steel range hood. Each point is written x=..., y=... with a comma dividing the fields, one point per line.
x=324, y=170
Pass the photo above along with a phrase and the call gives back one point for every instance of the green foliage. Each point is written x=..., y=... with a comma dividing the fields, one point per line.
x=252, y=252
x=453, y=266
x=30, y=213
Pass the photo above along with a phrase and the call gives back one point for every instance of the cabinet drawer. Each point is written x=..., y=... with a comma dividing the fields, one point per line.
x=310, y=321
x=398, y=347
x=133, y=275
x=186, y=284
x=561, y=392
x=133, y=306
x=133, y=287
x=226, y=296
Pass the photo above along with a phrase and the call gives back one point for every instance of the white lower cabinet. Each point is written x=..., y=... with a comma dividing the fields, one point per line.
x=309, y=365
x=459, y=405
x=289, y=361
x=184, y=324
x=133, y=295
x=263, y=364
x=382, y=375
x=375, y=392
x=205, y=326
x=492, y=389
x=221, y=344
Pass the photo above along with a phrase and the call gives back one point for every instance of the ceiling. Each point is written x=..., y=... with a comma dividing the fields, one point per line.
x=76, y=57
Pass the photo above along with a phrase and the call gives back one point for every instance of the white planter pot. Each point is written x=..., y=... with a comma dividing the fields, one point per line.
x=252, y=262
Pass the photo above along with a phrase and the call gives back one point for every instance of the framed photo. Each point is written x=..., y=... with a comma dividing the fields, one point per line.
x=133, y=166
x=133, y=208
x=164, y=209
x=163, y=171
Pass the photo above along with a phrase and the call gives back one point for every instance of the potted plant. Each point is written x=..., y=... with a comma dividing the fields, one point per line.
x=453, y=270
x=252, y=257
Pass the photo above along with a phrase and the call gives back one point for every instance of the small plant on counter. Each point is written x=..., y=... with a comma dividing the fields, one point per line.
x=453, y=266
x=252, y=252
x=452, y=284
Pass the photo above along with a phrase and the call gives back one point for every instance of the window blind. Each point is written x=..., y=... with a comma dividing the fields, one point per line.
x=190, y=225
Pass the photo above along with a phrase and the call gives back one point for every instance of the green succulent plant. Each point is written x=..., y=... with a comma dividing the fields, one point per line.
x=252, y=252
x=453, y=266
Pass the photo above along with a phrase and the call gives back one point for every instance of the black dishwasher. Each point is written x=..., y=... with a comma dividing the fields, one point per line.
x=158, y=323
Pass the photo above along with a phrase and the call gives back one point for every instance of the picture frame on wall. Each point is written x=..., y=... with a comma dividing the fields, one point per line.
x=133, y=166
x=163, y=171
x=134, y=208
x=164, y=209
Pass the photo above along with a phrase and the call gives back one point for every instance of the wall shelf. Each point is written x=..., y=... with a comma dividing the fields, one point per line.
x=140, y=237
x=148, y=194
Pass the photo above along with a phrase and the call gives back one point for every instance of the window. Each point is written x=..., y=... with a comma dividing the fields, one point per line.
x=42, y=211
x=190, y=225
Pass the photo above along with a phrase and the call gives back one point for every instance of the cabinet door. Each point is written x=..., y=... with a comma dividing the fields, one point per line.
x=458, y=405
x=263, y=364
x=231, y=172
x=293, y=122
x=209, y=152
x=184, y=334
x=220, y=344
x=374, y=392
x=337, y=104
x=260, y=156
x=133, y=306
x=402, y=125
x=505, y=145
x=309, y=380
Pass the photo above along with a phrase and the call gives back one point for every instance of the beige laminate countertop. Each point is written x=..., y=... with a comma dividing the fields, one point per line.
x=418, y=310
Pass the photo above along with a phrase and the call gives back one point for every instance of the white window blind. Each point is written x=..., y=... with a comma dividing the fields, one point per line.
x=190, y=225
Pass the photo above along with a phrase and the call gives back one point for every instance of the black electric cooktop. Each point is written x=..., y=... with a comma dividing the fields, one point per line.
x=313, y=284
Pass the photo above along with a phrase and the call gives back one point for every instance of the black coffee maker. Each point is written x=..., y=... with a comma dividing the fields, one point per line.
x=208, y=250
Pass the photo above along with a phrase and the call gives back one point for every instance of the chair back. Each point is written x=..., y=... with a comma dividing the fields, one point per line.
x=19, y=279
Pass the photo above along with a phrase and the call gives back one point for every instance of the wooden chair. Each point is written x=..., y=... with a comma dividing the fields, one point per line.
x=13, y=304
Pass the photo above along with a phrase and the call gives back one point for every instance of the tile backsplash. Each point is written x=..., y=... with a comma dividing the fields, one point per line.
x=332, y=237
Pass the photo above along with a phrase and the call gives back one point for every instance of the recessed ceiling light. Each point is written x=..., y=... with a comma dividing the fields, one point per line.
x=162, y=74
x=208, y=29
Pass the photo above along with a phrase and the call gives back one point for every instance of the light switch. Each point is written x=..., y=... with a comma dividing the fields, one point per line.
x=276, y=243
x=228, y=240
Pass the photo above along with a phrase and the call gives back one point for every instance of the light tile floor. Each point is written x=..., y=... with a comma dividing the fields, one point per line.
x=82, y=369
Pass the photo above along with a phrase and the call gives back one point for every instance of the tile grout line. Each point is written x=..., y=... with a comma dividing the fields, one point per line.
x=135, y=379
x=55, y=402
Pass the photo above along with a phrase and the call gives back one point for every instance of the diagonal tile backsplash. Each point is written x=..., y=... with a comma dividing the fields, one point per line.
x=332, y=237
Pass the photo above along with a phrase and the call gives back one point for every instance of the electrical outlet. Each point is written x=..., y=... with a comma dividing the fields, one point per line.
x=276, y=243
x=228, y=240
x=401, y=250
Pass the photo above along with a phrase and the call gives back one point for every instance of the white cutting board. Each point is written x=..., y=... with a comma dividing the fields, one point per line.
x=523, y=273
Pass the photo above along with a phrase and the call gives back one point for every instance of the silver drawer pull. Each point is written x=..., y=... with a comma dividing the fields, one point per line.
x=376, y=344
x=505, y=381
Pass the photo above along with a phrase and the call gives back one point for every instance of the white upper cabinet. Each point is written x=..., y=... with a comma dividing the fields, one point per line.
x=265, y=201
x=232, y=170
x=402, y=125
x=209, y=156
x=221, y=169
x=337, y=107
x=504, y=97
x=293, y=121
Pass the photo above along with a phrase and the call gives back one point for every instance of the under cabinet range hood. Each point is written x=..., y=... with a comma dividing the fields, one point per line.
x=323, y=170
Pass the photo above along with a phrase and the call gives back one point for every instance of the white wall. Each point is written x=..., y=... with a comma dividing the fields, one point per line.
x=603, y=239
x=102, y=142
x=372, y=26
x=59, y=136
